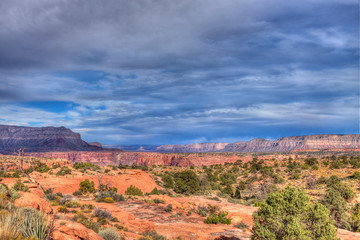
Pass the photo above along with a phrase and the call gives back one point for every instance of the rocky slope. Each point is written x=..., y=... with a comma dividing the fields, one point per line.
x=44, y=139
x=326, y=141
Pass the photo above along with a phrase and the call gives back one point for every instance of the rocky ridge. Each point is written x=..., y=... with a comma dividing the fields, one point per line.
x=41, y=139
x=286, y=144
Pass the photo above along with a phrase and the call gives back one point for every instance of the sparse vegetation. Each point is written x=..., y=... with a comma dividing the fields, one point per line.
x=87, y=187
x=134, y=191
x=63, y=171
x=109, y=234
x=328, y=197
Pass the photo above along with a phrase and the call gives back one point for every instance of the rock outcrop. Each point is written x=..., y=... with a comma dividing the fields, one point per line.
x=34, y=201
x=325, y=141
x=73, y=231
x=41, y=139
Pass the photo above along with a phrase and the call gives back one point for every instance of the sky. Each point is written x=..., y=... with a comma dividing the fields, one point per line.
x=176, y=72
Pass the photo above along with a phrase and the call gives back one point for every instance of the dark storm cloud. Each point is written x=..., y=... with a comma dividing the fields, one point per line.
x=178, y=71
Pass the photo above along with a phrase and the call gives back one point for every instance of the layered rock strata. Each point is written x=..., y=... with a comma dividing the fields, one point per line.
x=41, y=139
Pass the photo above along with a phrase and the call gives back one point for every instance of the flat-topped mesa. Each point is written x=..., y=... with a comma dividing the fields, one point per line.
x=310, y=142
x=41, y=139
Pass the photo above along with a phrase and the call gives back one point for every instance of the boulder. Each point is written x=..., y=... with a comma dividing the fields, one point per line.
x=66, y=230
x=34, y=201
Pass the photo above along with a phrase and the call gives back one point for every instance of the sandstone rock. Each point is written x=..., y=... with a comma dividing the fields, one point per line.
x=34, y=201
x=66, y=230
x=127, y=219
x=347, y=235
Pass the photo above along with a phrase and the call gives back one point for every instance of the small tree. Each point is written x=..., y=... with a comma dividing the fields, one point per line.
x=168, y=181
x=186, y=182
x=355, y=218
x=289, y=214
x=337, y=207
x=87, y=187
x=135, y=191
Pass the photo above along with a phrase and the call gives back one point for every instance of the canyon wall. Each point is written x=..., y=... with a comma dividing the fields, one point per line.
x=36, y=139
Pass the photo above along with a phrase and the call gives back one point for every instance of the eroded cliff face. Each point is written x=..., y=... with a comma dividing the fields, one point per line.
x=326, y=141
x=43, y=139
x=348, y=141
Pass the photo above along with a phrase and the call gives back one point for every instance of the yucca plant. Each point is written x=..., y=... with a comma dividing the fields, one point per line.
x=9, y=226
x=34, y=223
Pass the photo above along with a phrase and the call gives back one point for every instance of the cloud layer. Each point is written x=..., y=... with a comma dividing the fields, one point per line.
x=156, y=72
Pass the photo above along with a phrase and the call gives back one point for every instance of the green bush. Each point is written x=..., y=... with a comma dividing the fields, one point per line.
x=336, y=165
x=41, y=167
x=242, y=185
x=87, y=222
x=134, y=191
x=335, y=183
x=63, y=209
x=355, y=162
x=289, y=214
x=295, y=175
x=4, y=175
x=109, y=234
x=356, y=175
x=311, y=161
x=87, y=187
x=16, y=174
x=278, y=179
x=241, y=225
x=156, y=200
x=168, y=208
x=152, y=235
x=102, y=213
x=237, y=194
x=8, y=193
x=355, y=218
x=218, y=217
x=228, y=178
x=156, y=191
x=19, y=186
x=168, y=181
x=55, y=166
x=101, y=196
x=85, y=166
x=186, y=182
x=229, y=190
x=203, y=211
x=77, y=193
x=63, y=171
x=337, y=207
